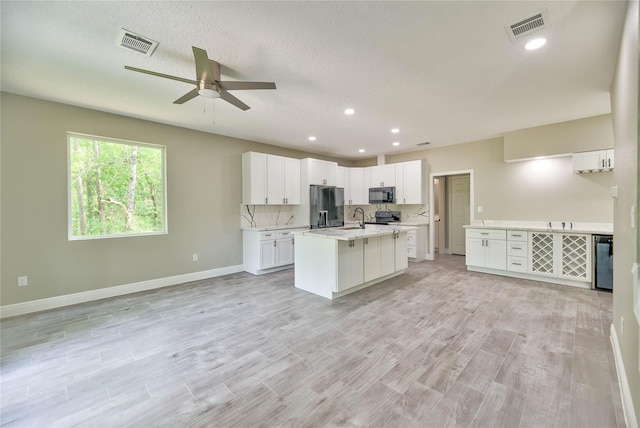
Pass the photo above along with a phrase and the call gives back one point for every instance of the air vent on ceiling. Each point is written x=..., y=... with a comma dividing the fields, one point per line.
x=529, y=25
x=136, y=42
x=423, y=144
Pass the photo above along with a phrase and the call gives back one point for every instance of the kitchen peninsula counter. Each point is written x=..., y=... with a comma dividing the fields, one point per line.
x=333, y=262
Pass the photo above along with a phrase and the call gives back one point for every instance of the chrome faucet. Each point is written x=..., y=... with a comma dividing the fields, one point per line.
x=362, y=211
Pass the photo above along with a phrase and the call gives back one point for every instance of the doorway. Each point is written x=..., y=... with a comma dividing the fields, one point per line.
x=451, y=198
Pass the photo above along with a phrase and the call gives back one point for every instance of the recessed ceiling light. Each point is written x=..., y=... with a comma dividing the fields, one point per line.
x=535, y=44
x=395, y=130
x=396, y=143
x=312, y=138
x=349, y=111
x=361, y=150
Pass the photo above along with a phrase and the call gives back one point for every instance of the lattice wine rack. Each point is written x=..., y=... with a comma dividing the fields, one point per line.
x=542, y=253
x=574, y=256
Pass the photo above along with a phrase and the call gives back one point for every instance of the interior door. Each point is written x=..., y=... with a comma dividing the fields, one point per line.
x=459, y=213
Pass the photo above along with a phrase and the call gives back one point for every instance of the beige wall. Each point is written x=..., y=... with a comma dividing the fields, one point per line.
x=204, y=196
x=624, y=103
x=581, y=135
x=535, y=190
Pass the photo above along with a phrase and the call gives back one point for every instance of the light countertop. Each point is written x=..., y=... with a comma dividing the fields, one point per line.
x=280, y=227
x=350, y=233
x=556, y=226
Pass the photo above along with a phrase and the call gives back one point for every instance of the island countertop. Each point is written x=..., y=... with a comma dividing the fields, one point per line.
x=350, y=233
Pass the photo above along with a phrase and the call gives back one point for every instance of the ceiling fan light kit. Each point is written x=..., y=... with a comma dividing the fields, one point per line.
x=208, y=83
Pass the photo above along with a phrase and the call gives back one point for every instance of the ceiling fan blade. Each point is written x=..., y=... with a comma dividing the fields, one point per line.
x=203, y=67
x=233, y=86
x=215, y=67
x=186, y=97
x=166, y=76
x=233, y=100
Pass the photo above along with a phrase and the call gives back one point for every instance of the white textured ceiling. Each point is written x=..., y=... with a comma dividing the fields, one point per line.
x=444, y=72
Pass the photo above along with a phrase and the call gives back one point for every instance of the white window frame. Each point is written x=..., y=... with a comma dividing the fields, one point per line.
x=165, y=214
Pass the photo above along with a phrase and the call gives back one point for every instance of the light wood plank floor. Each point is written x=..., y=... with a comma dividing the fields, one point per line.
x=435, y=347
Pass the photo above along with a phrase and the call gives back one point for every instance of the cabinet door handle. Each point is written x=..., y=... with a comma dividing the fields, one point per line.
x=517, y=248
x=274, y=243
x=516, y=264
x=609, y=163
x=266, y=200
x=516, y=236
x=484, y=233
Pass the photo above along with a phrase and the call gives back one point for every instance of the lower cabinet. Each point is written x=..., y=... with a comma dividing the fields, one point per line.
x=557, y=257
x=266, y=251
x=562, y=255
x=350, y=264
x=486, y=248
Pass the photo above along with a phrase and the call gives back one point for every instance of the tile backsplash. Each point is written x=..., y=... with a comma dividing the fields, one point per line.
x=408, y=213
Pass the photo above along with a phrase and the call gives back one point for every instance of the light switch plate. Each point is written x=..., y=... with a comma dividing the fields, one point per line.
x=614, y=191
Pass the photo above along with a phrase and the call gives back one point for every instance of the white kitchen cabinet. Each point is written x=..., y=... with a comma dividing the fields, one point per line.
x=594, y=161
x=417, y=244
x=254, y=178
x=358, y=194
x=382, y=175
x=319, y=172
x=270, y=179
x=342, y=177
x=350, y=264
x=517, y=251
x=371, y=258
x=486, y=248
x=562, y=255
x=410, y=182
x=283, y=180
x=400, y=249
x=267, y=251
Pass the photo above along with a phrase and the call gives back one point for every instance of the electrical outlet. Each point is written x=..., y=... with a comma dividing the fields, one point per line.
x=22, y=281
x=195, y=257
x=621, y=326
x=480, y=209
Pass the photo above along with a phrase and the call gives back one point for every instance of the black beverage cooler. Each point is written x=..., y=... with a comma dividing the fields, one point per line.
x=603, y=262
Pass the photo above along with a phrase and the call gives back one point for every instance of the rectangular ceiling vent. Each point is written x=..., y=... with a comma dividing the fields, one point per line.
x=136, y=42
x=526, y=26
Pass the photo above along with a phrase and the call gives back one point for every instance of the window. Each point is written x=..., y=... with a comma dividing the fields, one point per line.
x=116, y=188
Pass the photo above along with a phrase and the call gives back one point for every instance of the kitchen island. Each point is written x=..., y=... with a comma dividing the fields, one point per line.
x=333, y=262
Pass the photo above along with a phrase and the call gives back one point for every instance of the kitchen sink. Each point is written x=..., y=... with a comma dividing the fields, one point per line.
x=349, y=227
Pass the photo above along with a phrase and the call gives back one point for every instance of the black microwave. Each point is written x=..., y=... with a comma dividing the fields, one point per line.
x=382, y=195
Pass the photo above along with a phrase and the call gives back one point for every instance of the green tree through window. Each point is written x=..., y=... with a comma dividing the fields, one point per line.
x=116, y=188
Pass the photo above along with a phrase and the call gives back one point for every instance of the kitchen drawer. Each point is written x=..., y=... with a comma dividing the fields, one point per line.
x=411, y=251
x=487, y=233
x=269, y=235
x=280, y=234
x=411, y=237
x=517, y=264
x=517, y=235
x=517, y=249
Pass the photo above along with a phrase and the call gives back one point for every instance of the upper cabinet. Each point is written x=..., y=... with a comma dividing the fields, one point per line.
x=410, y=182
x=383, y=175
x=596, y=161
x=357, y=193
x=319, y=171
x=270, y=179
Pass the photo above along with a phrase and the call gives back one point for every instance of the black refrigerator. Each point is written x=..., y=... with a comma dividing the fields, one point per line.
x=326, y=206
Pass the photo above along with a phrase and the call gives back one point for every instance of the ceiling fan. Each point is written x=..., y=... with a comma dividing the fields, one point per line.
x=208, y=83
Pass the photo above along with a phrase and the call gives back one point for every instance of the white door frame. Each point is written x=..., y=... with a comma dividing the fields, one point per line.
x=430, y=227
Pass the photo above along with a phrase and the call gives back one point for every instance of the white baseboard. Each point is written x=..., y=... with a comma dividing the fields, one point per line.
x=103, y=293
x=625, y=392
